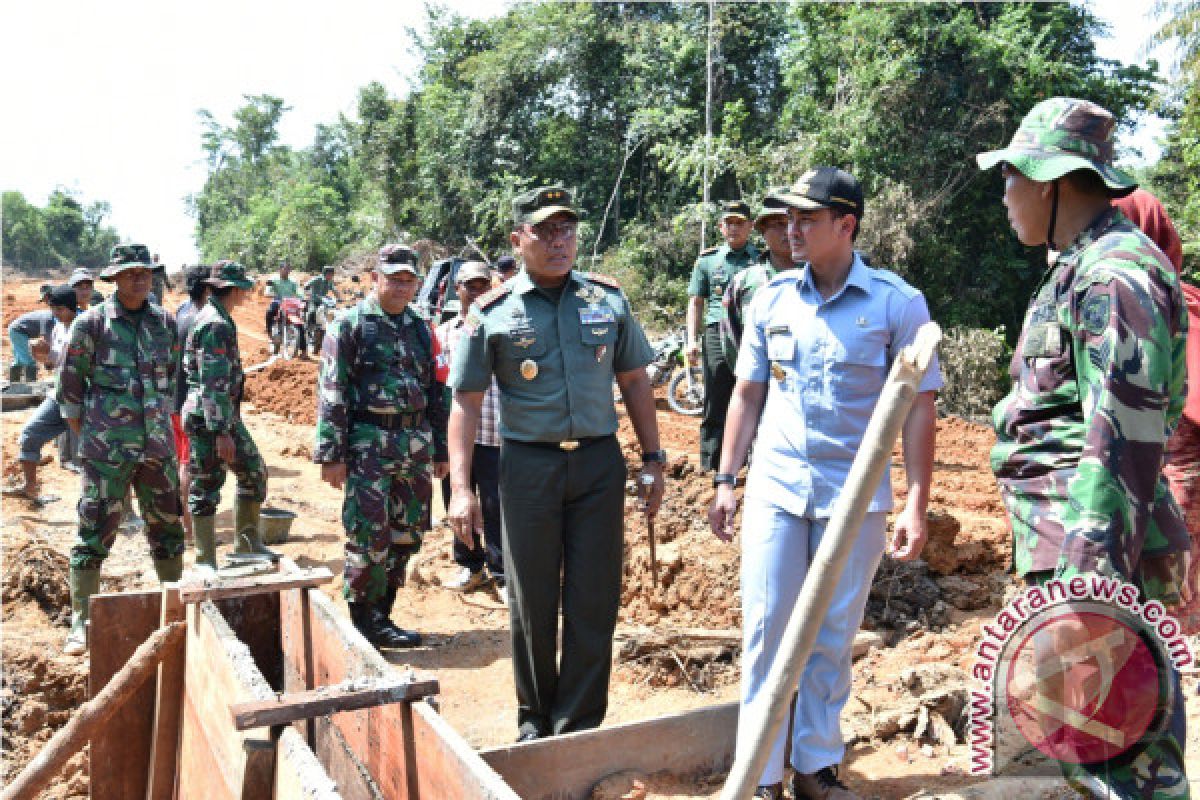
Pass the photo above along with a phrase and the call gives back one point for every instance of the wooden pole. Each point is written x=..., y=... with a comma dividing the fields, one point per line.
x=817, y=593
x=94, y=713
x=168, y=706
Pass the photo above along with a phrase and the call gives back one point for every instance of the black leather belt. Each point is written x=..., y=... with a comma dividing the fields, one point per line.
x=569, y=445
x=389, y=422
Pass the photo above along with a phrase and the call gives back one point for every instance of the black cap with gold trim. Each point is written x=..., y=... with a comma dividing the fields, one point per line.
x=826, y=187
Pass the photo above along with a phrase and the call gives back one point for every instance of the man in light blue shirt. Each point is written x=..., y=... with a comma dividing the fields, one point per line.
x=816, y=350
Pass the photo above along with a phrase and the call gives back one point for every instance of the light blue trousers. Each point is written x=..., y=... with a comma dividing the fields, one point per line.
x=777, y=550
x=22, y=355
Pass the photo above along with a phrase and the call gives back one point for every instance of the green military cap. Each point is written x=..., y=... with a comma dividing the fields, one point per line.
x=395, y=258
x=773, y=206
x=1061, y=135
x=126, y=256
x=473, y=270
x=229, y=273
x=825, y=187
x=735, y=208
x=540, y=204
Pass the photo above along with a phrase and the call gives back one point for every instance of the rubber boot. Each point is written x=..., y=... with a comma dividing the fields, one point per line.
x=204, y=531
x=368, y=619
x=169, y=570
x=30, y=373
x=384, y=604
x=14, y=372
x=84, y=584
x=246, y=532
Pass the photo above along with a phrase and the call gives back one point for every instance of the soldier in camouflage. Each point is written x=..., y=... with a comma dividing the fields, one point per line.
x=381, y=432
x=114, y=391
x=772, y=223
x=212, y=364
x=1098, y=379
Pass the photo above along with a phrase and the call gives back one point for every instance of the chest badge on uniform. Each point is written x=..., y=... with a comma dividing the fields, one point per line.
x=600, y=351
x=777, y=371
x=525, y=342
x=861, y=322
x=596, y=315
x=590, y=294
x=529, y=369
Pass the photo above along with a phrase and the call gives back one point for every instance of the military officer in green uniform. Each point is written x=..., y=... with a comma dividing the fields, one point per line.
x=555, y=339
x=714, y=270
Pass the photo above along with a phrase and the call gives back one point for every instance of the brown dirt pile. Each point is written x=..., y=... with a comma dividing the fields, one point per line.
x=286, y=388
x=38, y=572
x=38, y=695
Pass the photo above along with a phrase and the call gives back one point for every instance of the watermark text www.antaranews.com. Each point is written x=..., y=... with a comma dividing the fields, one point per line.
x=1076, y=670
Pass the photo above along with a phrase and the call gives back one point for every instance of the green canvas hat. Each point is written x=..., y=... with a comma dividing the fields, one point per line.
x=126, y=256
x=1061, y=135
x=540, y=204
x=229, y=273
x=773, y=206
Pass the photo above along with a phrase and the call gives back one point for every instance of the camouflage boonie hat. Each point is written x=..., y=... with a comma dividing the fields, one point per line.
x=1061, y=135
x=541, y=204
x=229, y=273
x=773, y=206
x=126, y=256
x=395, y=258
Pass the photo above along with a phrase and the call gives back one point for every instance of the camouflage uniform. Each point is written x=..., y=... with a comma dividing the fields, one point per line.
x=215, y=383
x=1098, y=379
x=736, y=301
x=117, y=378
x=382, y=413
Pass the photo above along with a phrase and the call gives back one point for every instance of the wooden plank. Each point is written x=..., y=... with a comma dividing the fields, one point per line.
x=689, y=744
x=214, y=757
x=298, y=773
x=120, y=753
x=240, y=587
x=348, y=696
x=258, y=779
x=406, y=748
x=168, y=706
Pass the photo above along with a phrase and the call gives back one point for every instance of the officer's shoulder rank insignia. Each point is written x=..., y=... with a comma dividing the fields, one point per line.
x=602, y=279
x=492, y=297
x=709, y=251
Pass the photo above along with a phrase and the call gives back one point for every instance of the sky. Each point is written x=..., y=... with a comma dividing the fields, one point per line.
x=101, y=98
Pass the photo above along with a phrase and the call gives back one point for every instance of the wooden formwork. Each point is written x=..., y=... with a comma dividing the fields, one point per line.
x=255, y=647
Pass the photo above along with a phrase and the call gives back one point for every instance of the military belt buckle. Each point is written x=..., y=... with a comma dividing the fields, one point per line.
x=569, y=445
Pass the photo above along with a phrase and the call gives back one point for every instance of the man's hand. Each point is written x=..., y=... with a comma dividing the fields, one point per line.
x=908, y=538
x=226, y=451
x=720, y=513
x=441, y=469
x=464, y=515
x=334, y=474
x=40, y=349
x=651, y=494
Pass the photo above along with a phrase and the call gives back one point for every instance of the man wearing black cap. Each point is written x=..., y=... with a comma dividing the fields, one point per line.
x=817, y=346
x=714, y=269
x=46, y=423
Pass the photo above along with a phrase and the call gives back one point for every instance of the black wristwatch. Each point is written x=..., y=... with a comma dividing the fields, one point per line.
x=727, y=478
x=655, y=457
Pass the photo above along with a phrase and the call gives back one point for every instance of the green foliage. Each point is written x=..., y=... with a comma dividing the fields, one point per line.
x=609, y=99
x=974, y=363
x=64, y=233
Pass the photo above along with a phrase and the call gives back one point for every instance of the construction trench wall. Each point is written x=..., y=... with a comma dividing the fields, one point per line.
x=251, y=648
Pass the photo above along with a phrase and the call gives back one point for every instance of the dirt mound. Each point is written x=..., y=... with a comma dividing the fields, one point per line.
x=38, y=694
x=37, y=571
x=286, y=388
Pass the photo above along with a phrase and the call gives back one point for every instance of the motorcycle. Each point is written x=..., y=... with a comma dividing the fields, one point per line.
x=319, y=321
x=288, y=327
x=685, y=384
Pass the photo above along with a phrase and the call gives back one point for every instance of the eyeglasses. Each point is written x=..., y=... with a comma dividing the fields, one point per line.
x=549, y=231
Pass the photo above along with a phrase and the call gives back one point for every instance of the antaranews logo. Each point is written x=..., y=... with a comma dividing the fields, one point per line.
x=1073, y=672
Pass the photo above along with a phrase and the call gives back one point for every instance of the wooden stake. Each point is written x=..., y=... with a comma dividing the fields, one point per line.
x=94, y=713
x=168, y=706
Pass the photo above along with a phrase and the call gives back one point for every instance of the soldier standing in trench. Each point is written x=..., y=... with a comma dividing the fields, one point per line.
x=114, y=391
x=212, y=419
x=555, y=339
x=381, y=433
x=1098, y=378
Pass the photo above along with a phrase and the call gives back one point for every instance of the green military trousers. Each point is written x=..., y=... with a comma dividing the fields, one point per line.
x=563, y=538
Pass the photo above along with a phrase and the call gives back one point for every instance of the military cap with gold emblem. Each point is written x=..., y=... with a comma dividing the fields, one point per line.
x=540, y=204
